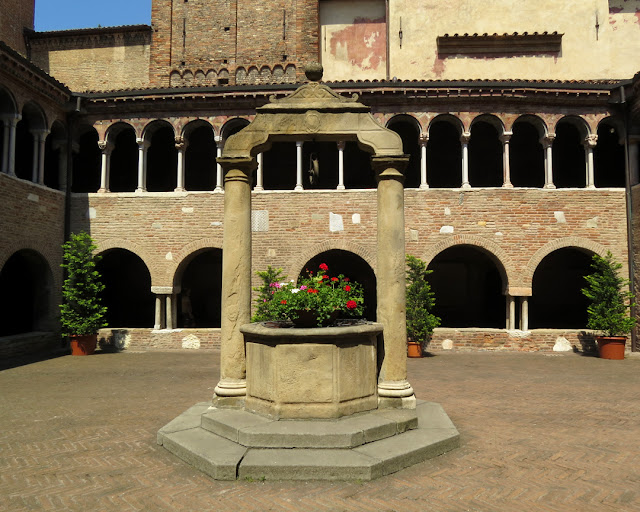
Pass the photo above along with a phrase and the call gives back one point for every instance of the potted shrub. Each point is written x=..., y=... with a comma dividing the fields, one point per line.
x=82, y=313
x=316, y=300
x=420, y=303
x=608, y=313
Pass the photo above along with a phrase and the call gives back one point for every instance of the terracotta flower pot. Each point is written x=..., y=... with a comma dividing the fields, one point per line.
x=83, y=345
x=414, y=349
x=611, y=347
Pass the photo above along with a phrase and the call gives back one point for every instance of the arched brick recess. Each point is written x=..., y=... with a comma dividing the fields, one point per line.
x=115, y=243
x=294, y=268
x=53, y=258
x=188, y=250
x=506, y=267
x=554, y=245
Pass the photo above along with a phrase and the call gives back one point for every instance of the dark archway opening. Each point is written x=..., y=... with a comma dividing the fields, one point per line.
x=410, y=135
x=279, y=166
x=123, y=174
x=24, y=150
x=201, y=295
x=526, y=156
x=358, y=173
x=162, y=161
x=444, y=156
x=86, y=163
x=468, y=288
x=485, y=156
x=557, y=301
x=25, y=293
x=127, y=294
x=326, y=154
x=200, y=159
x=608, y=158
x=352, y=266
x=569, y=168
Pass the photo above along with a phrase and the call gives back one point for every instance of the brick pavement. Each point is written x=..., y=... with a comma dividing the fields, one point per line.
x=543, y=432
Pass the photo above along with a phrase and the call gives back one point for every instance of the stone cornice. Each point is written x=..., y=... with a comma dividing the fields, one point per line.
x=507, y=44
x=90, y=38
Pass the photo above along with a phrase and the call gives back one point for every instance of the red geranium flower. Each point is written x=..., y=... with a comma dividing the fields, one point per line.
x=347, y=288
x=346, y=279
x=284, y=302
x=323, y=266
x=334, y=279
x=351, y=304
x=325, y=277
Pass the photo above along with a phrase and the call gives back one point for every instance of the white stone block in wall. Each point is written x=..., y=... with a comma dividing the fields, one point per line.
x=446, y=229
x=592, y=223
x=335, y=222
x=560, y=218
x=355, y=218
x=187, y=210
x=91, y=213
x=169, y=256
x=259, y=221
x=33, y=197
x=191, y=341
x=562, y=345
x=447, y=211
x=447, y=344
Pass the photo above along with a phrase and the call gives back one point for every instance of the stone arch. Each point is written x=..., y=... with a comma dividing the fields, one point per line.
x=409, y=129
x=526, y=153
x=447, y=118
x=406, y=118
x=8, y=105
x=535, y=121
x=344, y=245
x=51, y=255
x=115, y=128
x=118, y=243
x=175, y=78
x=152, y=126
x=503, y=261
x=232, y=126
x=491, y=119
x=187, y=251
x=560, y=243
x=579, y=122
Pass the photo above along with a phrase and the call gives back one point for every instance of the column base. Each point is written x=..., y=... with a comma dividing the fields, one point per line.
x=218, y=190
x=179, y=189
x=103, y=190
x=140, y=190
x=407, y=402
x=465, y=185
x=258, y=189
x=396, y=395
x=341, y=187
x=424, y=186
x=507, y=185
x=298, y=188
x=230, y=389
x=550, y=186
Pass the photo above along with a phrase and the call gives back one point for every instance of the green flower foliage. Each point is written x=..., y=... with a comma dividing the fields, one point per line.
x=82, y=312
x=324, y=296
x=610, y=298
x=420, y=301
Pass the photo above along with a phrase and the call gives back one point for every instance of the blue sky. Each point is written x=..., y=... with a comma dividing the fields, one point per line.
x=70, y=14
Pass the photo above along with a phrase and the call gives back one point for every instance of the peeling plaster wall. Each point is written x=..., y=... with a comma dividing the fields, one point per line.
x=608, y=50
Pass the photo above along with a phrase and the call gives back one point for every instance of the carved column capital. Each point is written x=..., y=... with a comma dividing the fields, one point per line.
x=505, y=137
x=423, y=140
x=341, y=145
x=590, y=141
x=465, y=137
x=181, y=143
x=547, y=140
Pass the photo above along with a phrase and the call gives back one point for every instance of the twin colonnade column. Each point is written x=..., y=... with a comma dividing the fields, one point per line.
x=236, y=278
x=393, y=388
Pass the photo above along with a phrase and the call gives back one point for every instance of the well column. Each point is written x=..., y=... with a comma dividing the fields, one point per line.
x=236, y=278
x=393, y=388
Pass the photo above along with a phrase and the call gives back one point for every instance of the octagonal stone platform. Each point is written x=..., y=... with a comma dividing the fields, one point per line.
x=228, y=444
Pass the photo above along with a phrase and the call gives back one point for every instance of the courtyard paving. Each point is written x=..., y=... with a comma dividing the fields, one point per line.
x=543, y=432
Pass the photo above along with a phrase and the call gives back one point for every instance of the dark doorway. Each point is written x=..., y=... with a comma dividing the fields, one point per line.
x=200, y=298
x=557, y=301
x=468, y=288
x=569, y=168
x=485, y=156
x=86, y=163
x=25, y=291
x=123, y=174
x=127, y=294
x=410, y=135
x=200, y=159
x=526, y=156
x=608, y=157
x=162, y=161
x=444, y=156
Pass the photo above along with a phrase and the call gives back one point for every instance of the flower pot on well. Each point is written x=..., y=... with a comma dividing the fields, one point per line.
x=611, y=347
x=83, y=345
x=414, y=349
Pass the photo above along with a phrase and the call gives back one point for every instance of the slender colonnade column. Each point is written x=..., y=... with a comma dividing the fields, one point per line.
x=236, y=278
x=5, y=145
x=11, y=158
x=423, y=162
x=181, y=146
x=106, y=148
x=143, y=146
x=547, y=144
x=393, y=388
x=464, y=139
x=219, y=146
x=259, y=183
x=506, y=169
x=341, y=146
x=590, y=142
x=298, y=186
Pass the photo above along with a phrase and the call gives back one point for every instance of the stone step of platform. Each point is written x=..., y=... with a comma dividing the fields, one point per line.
x=253, y=430
x=225, y=459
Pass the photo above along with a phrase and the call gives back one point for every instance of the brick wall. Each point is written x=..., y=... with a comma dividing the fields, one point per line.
x=32, y=217
x=95, y=60
x=244, y=42
x=14, y=18
x=518, y=226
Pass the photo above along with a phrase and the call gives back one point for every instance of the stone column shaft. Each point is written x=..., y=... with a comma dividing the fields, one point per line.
x=236, y=277
x=143, y=146
x=393, y=388
x=105, y=161
x=219, y=146
x=634, y=161
x=42, y=138
x=11, y=158
x=524, y=314
x=181, y=146
x=169, y=311
x=259, y=178
x=547, y=144
x=35, y=157
x=5, y=146
x=511, y=312
x=590, y=143
x=506, y=167
x=159, y=317
x=298, y=186
x=464, y=139
x=423, y=162
x=341, y=146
